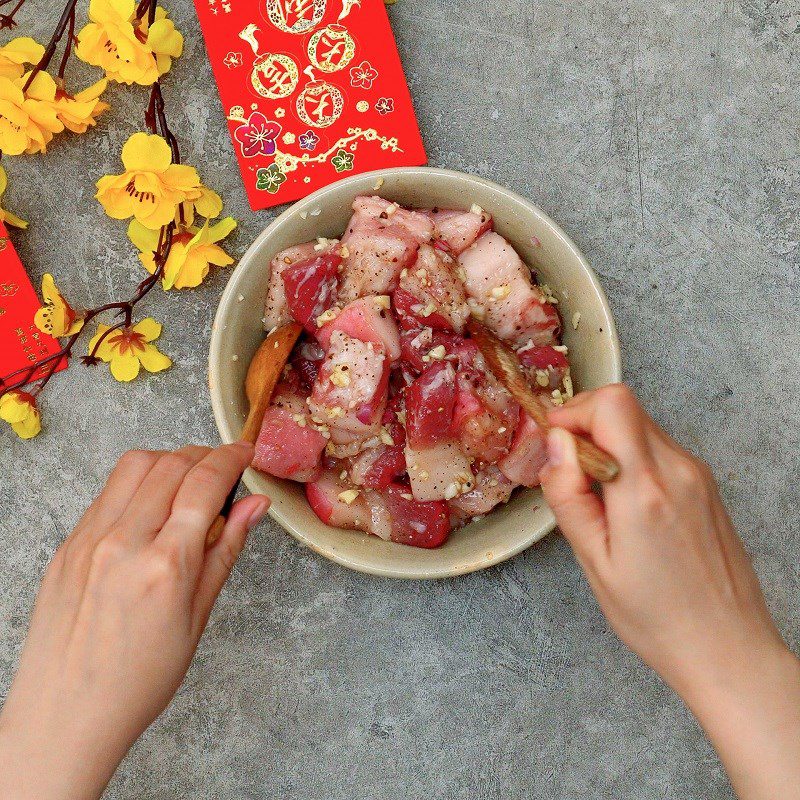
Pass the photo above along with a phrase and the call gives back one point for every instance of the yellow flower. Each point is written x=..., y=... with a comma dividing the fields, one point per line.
x=193, y=252
x=79, y=112
x=19, y=51
x=152, y=187
x=165, y=42
x=27, y=123
x=128, y=349
x=19, y=410
x=125, y=47
x=208, y=205
x=56, y=317
x=7, y=216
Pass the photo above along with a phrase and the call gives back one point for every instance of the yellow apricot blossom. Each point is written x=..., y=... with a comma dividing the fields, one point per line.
x=128, y=349
x=56, y=317
x=164, y=40
x=27, y=124
x=127, y=48
x=208, y=205
x=7, y=216
x=194, y=251
x=19, y=410
x=18, y=52
x=80, y=111
x=152, y=187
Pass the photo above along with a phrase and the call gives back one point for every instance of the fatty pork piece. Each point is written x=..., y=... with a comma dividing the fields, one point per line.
x=350, y=393
x=491, y=488
x=485, y=415
x=546, y=367
x=288, y=445
x=431, y=292
x=437, y=467
x=367, y=319
x=310, y=287
x=392, y=514
x=498, y=280
x=527, y=456
x=276, y=310
x=459, y=229
x=381, y=239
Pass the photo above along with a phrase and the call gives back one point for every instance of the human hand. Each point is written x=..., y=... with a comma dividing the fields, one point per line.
x=674, y=580
x=119, y=614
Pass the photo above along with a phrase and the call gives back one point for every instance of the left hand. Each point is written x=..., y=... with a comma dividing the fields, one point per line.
x=119, y=615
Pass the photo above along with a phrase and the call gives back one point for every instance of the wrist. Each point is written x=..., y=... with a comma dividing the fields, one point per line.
x=43, y=759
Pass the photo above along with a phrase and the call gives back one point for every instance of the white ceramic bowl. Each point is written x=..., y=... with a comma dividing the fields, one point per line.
x=237, y=332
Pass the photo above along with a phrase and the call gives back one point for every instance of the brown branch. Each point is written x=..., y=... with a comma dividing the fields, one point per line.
x=7, y=20
x=66, y=15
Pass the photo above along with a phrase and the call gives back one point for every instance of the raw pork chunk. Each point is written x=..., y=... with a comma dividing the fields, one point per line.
x=276, y=309
x=497, y=278
x=459, y=229
x=380, y=241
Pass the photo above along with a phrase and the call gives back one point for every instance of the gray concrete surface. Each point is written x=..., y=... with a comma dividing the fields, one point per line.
x=663, y=136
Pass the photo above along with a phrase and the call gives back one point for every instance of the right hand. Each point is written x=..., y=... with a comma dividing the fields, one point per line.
x=667, y=568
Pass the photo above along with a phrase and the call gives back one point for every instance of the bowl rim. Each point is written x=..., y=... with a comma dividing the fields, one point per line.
x=498, y=555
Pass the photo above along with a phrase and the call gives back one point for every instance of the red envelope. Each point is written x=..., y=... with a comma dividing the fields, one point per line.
x=313, y=91
x=21, y=342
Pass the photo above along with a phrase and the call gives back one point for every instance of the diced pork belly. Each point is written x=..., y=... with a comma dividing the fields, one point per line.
x=380, y=241
x=459, y=229
x=419, y=524
x=276, y=310
x=367, y=319
x=545, y=366
x=438, y=472
x=491, y=489
x=431, y=291
x=376, y=213
x=429, y=402
x=500, y=283
x=336, y=502
x=351, y=390
x=310, y=287
x=484, y=417
x=288, y=446
x=527, y=456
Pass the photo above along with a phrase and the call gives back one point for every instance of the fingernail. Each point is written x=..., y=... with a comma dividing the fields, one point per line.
x=555, y=447
x=258, y=514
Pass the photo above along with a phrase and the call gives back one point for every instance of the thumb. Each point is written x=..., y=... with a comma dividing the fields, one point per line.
x=579, y=511
x=221, y=557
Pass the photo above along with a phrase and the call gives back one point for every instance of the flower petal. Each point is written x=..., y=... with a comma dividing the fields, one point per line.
x=125, y=368
x=153, y=360
x=146, y=152
x=149, y=328
x=143, y=238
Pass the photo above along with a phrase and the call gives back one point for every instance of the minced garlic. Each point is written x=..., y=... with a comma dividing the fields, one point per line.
x=476, y=209
x=542, y=377
x=438, y=352
x=386, y=437
x=501, y=292
x=382, y=301
x=392, y=209
x=558, y=398
x=576, y=318
x=327, y=316
x=344, y=251
x=336, y=411
x=451, y=491
x=349, y=495
x=429, y=309
x=339, y=376
x=568, y=384
x=299, y=419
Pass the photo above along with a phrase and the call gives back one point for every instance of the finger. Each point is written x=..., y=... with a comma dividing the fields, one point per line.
x=579, y=512
x=151, y=505
x=126, y=477
x=201, y=496
x=614, y=420
x=220, y=559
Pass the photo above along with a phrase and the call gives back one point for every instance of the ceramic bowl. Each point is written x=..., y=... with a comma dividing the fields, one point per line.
x=237, y=332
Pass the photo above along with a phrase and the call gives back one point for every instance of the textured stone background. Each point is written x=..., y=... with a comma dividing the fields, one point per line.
x=663, y=136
